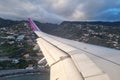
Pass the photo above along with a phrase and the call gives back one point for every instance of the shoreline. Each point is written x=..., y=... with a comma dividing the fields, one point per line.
x=19, y=72
x=23, y=75
x=20, y=75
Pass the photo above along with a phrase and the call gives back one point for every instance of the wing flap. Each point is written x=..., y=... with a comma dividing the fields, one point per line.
x=65, y=70
x=85, y=65
x=50, y=60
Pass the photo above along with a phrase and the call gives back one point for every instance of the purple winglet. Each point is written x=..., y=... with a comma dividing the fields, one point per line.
x=33, y=25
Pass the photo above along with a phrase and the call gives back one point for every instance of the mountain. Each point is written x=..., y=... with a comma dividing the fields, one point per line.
x=116, y=23
x=46, y=27
x=98, y=33
x=7, y=23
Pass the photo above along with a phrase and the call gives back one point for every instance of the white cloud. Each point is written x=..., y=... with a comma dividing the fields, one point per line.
x=57, y=10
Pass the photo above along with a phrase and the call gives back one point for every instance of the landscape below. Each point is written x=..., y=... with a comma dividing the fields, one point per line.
x=18, y=41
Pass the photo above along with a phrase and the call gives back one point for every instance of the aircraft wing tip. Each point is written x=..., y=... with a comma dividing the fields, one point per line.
x=33, y=25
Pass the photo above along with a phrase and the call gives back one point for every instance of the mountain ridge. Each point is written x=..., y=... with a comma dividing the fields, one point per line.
x=98, y=33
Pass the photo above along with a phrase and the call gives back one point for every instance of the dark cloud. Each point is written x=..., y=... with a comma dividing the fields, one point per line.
x=58, y=10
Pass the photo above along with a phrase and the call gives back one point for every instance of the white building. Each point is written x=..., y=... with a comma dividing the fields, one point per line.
x=20, y=38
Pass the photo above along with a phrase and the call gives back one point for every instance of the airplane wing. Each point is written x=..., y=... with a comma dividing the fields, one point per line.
x=72, y=60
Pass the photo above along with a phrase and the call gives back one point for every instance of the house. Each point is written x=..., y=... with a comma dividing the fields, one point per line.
x=20, y=38
x=30, y=66
x=8, y=37
x=15, y=61
x=26, y=55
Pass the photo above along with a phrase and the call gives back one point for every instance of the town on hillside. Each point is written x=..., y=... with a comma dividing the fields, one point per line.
x=18, y=48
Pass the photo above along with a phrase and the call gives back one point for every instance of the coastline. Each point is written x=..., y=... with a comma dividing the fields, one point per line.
x=20, y=75
x=19, y=72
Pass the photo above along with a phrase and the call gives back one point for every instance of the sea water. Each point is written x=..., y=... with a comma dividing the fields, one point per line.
x=29, y=77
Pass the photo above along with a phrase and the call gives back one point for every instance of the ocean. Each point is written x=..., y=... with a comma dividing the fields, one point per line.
x=30, y=77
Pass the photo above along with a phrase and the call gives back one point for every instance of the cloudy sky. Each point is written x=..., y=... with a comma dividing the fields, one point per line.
x=58, y=10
